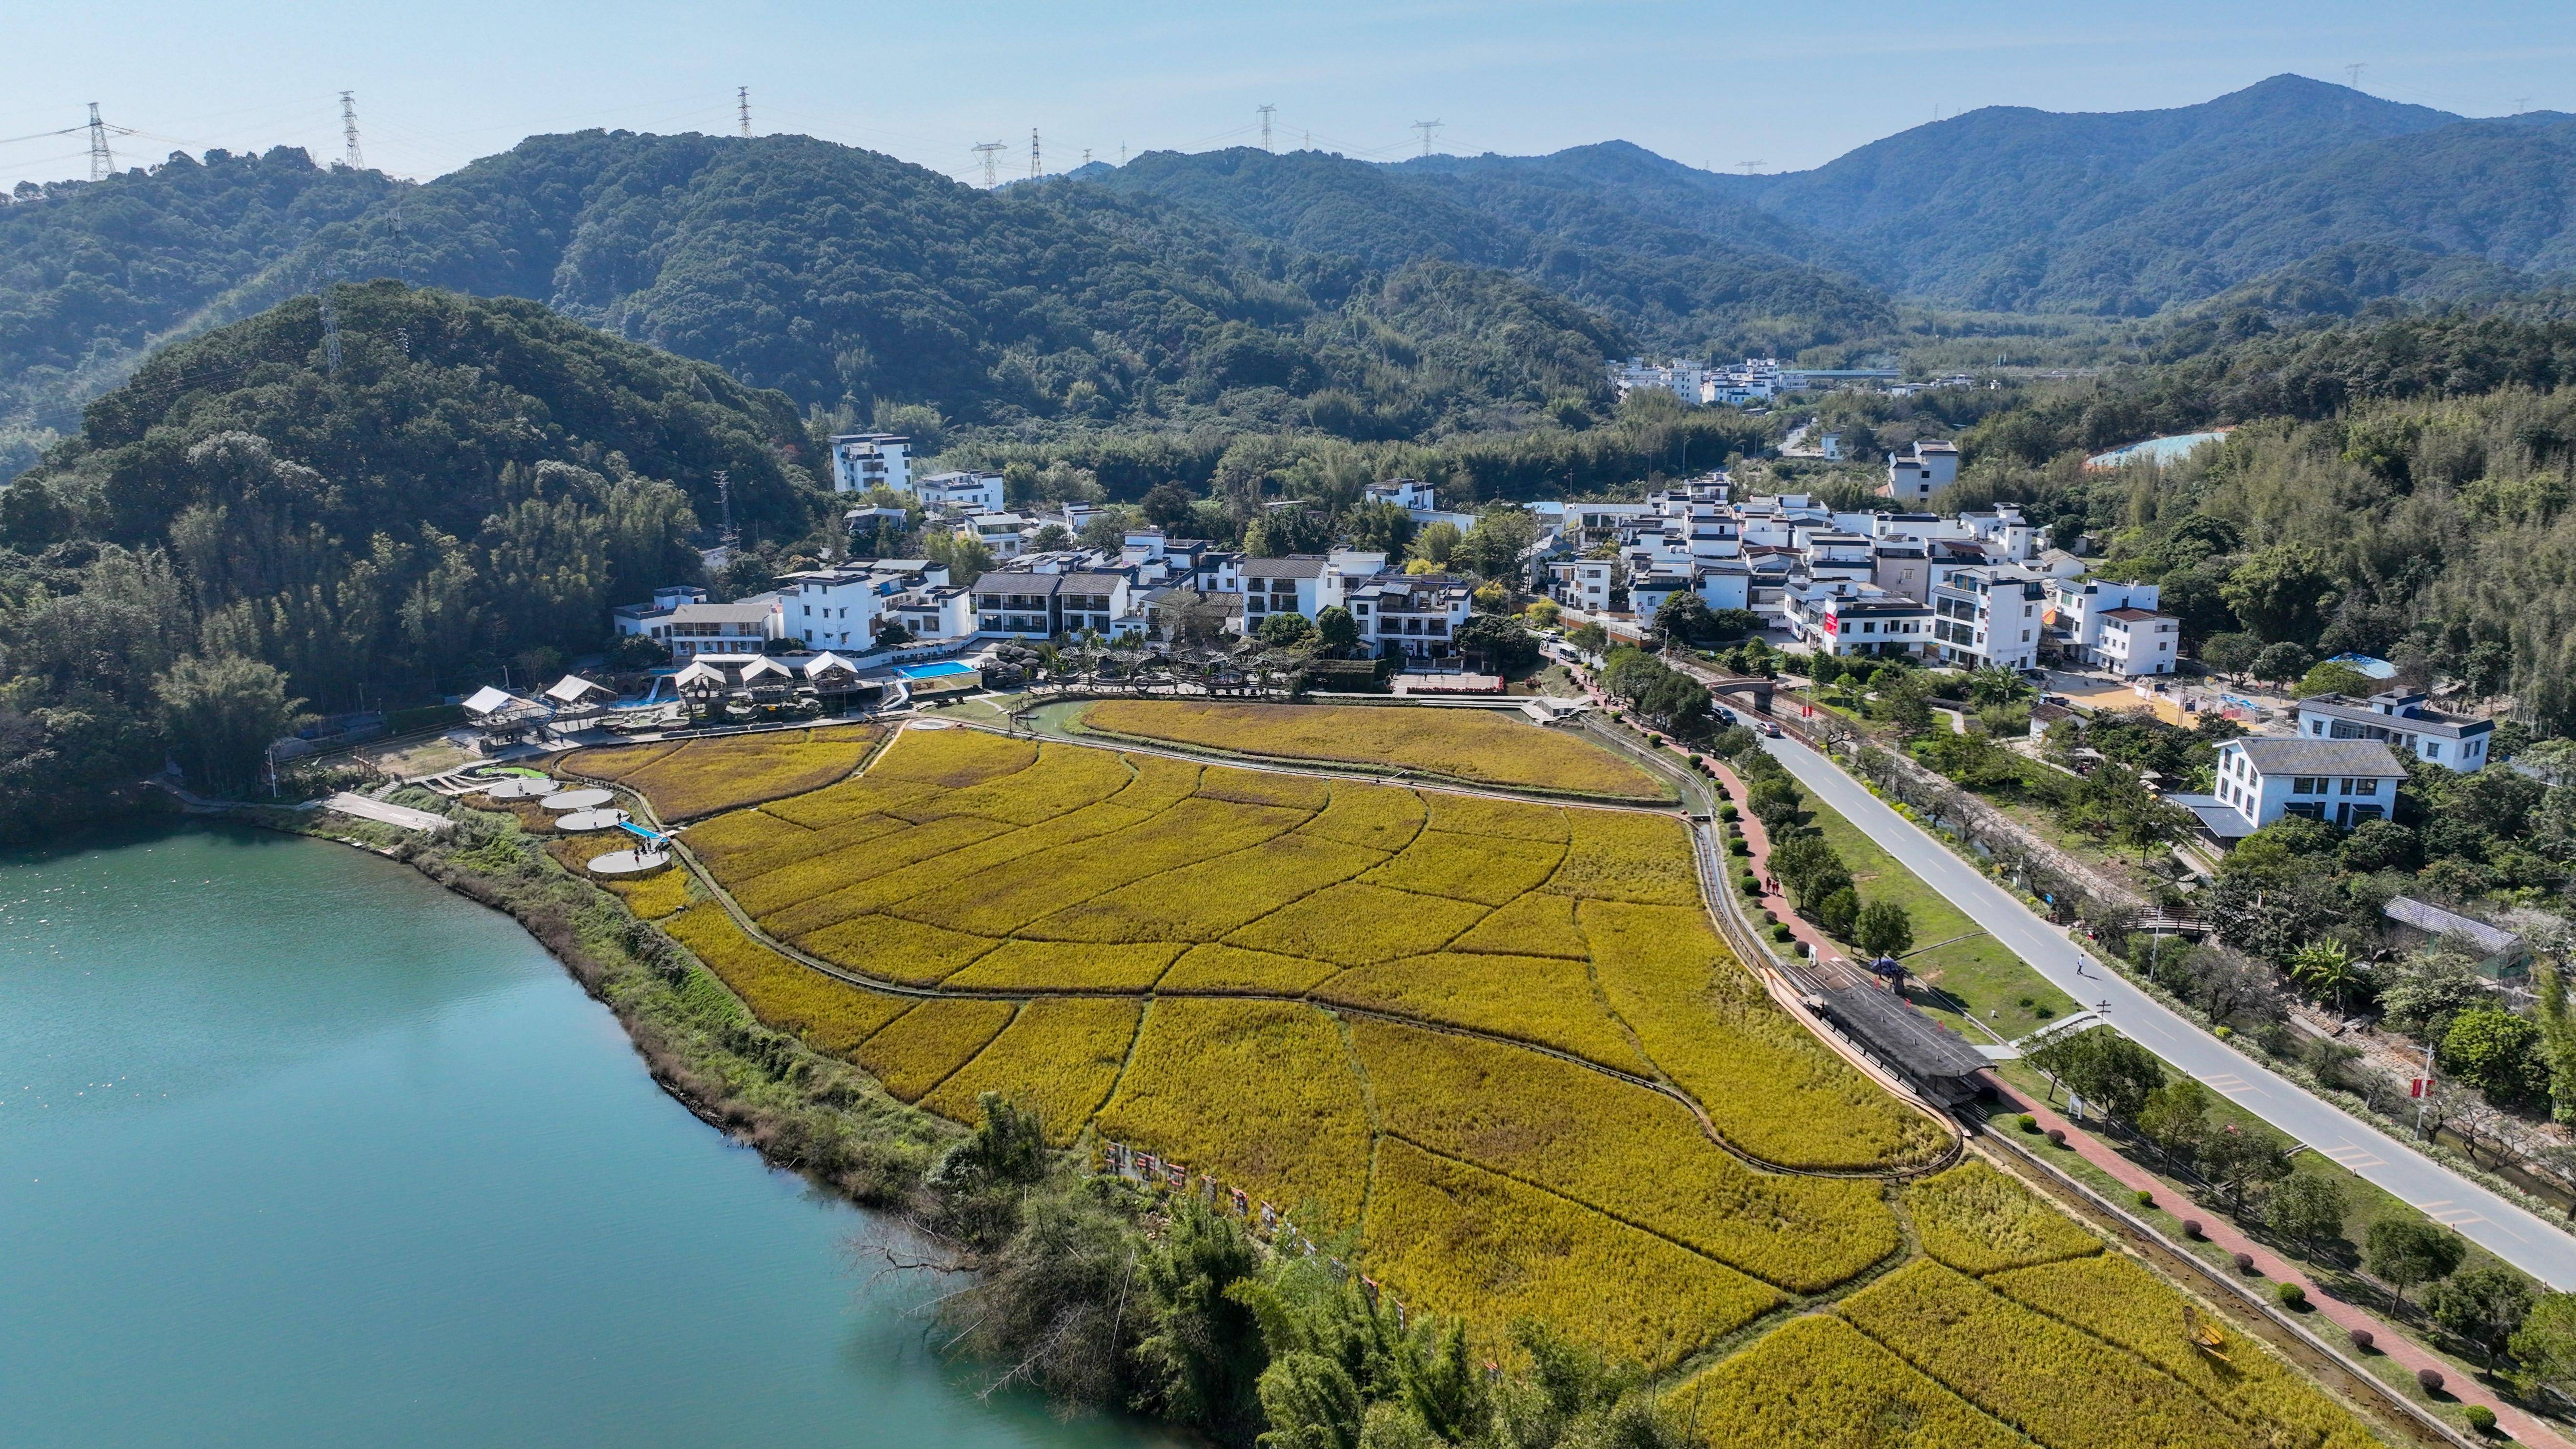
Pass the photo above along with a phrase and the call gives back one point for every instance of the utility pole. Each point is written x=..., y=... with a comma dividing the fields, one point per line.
x=330, y=333
x=724, y=497
x=1265, y=124
x=356, y=158
x=102, y=162
x=2354, y=70
x=1426, y=128
x=1034, y=170
x=742, y=104
x=988, y=150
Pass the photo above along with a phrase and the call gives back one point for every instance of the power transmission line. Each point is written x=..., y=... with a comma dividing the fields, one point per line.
x=1752, y=166
x=742, y=100
x=2354, y=70
x=356, y=158
x=1426, y=128
x=988, y=150
x=1034, y=170
x=1265, y=124
x=102, y=161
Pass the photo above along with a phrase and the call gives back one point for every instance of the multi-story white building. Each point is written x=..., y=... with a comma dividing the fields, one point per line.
x=1855, y=618
x=691, y=626
x=2342, y=782
x=1687, y=381
x=1912, y=476
x=961, y=494
x=2400, y=718
x=1987, y=615
x=862, y=461
x=846, y=606
x=1416, y=616
x=2138, y=642
x=2111, y=625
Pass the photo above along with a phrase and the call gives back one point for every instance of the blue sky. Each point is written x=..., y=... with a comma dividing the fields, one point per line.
x=1789, y=84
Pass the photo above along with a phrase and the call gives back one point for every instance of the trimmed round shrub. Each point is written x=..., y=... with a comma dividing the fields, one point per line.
x=2029, y=1123
x=1736, y=845
x=2191, y=1228
x=1694, y=757
x=2481, y=1418
x=2056, y=1136
x=2431, y=1379
x=2293, y=1296
x=2362, y=1338
x=1770, y=917
x=1726, y=810
x=2146, y=1198
x=2244, y=1262
x=1749, y=885
x=1780, y=931
x=1803, y=949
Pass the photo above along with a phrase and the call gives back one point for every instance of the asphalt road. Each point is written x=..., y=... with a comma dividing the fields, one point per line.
x=2510, y=1232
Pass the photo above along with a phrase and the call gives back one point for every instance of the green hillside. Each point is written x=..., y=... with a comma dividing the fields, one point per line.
x=91, y=273
x=473, y=488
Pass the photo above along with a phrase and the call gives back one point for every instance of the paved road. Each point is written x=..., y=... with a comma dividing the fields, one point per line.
x=2510, y=1232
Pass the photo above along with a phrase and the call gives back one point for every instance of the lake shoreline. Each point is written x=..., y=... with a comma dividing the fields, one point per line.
x=805, y=1113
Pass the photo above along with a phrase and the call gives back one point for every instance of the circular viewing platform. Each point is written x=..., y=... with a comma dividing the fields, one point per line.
x=579, y=821
x=630, y=862
x=520, y=787
x=564, y=800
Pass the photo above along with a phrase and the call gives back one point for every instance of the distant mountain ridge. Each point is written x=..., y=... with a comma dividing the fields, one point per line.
x=2003, y=208
x=1242, y=286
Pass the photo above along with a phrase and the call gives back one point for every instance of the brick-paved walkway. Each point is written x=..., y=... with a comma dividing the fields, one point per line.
x=2343, y=1316
x=1773, y=899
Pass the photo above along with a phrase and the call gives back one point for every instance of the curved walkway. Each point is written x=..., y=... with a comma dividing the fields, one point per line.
x=751, y=927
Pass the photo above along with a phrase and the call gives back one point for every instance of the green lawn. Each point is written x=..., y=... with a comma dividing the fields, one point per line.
x=1975, y=975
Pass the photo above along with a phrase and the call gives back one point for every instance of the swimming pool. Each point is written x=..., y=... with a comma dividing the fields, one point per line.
x=940, y=670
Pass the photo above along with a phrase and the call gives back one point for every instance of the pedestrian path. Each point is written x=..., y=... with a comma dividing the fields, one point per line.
x=2344, y=1317
x=2485, y=1216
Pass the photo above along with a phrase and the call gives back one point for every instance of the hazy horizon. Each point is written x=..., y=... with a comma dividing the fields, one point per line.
x=1707, y=87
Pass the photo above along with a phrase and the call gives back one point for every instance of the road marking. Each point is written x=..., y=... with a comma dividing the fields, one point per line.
x=2441, y=1211
x=2352, y=1156
x=2230, y=1083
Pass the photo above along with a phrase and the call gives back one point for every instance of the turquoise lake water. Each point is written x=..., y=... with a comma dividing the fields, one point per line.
x=298, y=1149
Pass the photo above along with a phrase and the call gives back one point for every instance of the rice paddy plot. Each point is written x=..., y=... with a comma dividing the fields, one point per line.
x=1476, y=746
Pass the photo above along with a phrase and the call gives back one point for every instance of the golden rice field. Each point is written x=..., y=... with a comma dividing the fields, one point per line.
x=1499, y=1043
x=701, y=777
x=1474, y=746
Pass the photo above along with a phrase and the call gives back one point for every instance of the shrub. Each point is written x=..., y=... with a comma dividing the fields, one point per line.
x=1737, y=845
x=2244, y=1262
x=1751, y=885
x=1726, y=811
x=1770, y=917
x=2481, y=1418
x=2293, y=1296
x=1694, y=759
x=2362, y=1338
x=2056, y=1136
x=2146, y=1198
x=2430, y=1378
x=2029, y=1123
x=1780, y=932
x=2191, y=1228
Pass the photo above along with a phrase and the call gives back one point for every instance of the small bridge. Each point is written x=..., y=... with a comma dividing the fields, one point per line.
x=1745, y=687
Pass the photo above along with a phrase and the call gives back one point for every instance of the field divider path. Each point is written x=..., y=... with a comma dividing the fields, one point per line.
x=751, y=927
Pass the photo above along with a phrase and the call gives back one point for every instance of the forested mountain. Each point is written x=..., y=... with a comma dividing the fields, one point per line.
x=1648, y=242
x=91, y=273
x=848, y=279
x=476, y=483
x=2007, y=208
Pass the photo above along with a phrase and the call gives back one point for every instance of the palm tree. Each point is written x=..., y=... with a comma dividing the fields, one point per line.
x=2324, y=966
x=1996, y=685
